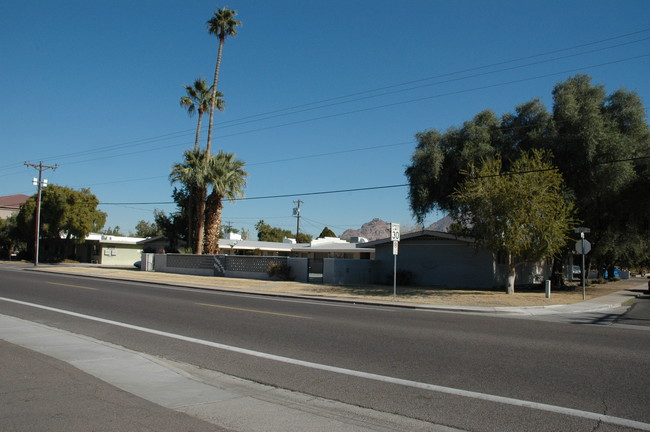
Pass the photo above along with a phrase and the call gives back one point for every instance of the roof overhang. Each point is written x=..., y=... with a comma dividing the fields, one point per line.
x=417, y=235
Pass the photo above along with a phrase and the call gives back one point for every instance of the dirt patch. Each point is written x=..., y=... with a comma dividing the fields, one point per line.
x=444, y=296
x=450, y=296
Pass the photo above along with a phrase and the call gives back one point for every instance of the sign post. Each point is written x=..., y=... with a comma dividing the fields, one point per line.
x=583, y=247
x=394, y=236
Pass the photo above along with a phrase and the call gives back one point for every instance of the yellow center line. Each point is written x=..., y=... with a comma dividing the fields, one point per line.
x=73, y=286
x=251, y=310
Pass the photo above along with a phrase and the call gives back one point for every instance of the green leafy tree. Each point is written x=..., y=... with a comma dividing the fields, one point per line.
x=117, y=231
x=147, y=229
x=9, y=236
x=66, y=214
x=222, y=24
x=266, y=232
x=593, y=129
x=173, y=225
x=586, y=131
x=326, y=233
x=304, y=238
x=227, y=179
x=439, y=158
x=521, y=214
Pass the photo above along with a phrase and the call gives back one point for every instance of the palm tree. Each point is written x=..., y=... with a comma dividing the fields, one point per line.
x=227, y=178
x=222, y=24
x=192, y=173
x=198, y=100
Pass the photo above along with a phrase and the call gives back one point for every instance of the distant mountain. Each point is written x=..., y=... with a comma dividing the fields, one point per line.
x=441, y=225
x=374, y=230
x=379, y=229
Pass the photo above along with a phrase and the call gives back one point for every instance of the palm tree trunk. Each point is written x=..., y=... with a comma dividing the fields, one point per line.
x=198, y=132
x=200, y=218
x=191, y=208
x=213, y=222
x=214, y=95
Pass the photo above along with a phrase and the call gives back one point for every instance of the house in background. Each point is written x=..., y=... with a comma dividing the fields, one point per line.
x=327, y=247
x=114, y=250
x=109, y=250
x=332, y=247
x=161, y=243
x=233, y=244
x=11, y=204
x=435, y=258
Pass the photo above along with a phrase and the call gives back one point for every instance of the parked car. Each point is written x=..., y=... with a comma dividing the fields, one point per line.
x=137, y=264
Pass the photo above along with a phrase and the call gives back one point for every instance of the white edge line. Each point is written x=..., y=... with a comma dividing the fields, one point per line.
x=375, y=377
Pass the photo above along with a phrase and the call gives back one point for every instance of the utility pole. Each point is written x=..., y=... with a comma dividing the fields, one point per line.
x=296, y=213
x=41, y=184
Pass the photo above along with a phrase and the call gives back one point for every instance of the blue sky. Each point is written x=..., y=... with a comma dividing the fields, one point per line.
x=320, y=96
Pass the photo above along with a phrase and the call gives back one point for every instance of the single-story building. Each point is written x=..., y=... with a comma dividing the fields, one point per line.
x=109, y=249
x=327, y=247
x=160, y=243
x=234, y=245
x=332, y=247
x=11, y=204
x=434, y=258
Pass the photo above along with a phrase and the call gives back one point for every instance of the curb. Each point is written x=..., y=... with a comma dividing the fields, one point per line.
x=496, y=310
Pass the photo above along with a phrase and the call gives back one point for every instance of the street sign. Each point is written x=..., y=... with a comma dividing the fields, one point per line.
x=583, y=246
x=582, y=230
x=394, y=237
x=394, y=231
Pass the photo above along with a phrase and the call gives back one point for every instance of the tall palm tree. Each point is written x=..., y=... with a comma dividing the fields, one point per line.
x=227, y=178
x=198, y=100
x=222, y=24
x=192, y=173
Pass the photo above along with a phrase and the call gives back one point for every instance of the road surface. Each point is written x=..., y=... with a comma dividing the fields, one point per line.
x=478, y=373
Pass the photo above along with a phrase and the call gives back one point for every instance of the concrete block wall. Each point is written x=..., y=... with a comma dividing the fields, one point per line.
x=250, y=267
x=339, y=271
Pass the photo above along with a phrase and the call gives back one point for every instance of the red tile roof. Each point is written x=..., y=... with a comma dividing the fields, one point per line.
x=13, y=201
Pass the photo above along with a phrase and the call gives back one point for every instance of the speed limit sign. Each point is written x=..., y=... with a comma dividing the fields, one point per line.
x=394, y=231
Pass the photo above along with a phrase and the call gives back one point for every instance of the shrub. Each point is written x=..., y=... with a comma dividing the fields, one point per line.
x=279, y=270
x=404, y=277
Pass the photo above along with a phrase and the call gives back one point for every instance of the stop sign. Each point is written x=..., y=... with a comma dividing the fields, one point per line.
x=583, y=250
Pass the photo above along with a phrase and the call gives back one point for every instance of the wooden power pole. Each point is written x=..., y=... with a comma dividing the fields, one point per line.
x=41, y=184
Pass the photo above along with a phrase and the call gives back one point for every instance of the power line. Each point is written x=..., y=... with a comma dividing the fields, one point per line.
x=320, y=106
x=245, y=120
x=393, y=104
x=369, y=188
x=424, y=98
x=452, y=73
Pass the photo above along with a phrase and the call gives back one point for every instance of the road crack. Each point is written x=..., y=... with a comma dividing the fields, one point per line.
x=600, y=421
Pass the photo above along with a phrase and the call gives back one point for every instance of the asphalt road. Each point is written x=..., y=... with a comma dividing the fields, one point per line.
x=639, y=313
x=411, y=362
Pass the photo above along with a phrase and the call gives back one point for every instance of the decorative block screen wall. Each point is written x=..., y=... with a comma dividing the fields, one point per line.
x=190, y=261
x=251, y=263
x=237, y=263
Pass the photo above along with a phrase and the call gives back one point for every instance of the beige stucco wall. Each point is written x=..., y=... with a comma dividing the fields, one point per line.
x=119, y=254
